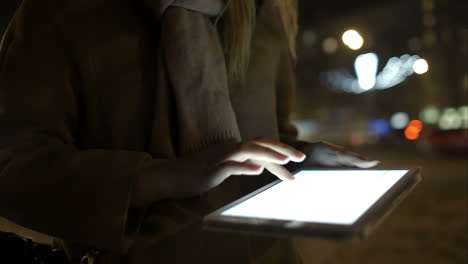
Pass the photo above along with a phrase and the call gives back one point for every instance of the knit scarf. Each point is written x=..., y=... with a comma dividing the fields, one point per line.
x=195, y=72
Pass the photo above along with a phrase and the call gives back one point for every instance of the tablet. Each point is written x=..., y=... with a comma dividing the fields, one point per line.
x=331, y=204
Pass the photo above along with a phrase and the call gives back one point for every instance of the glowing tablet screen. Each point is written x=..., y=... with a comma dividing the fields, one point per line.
x=327, y=196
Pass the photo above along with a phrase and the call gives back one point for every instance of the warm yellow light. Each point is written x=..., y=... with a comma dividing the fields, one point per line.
x=420, y=66
x=352, y=39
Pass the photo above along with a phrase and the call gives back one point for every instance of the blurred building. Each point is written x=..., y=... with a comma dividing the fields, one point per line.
x=435, y=30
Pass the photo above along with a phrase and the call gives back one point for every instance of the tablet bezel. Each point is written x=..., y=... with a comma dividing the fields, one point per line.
x=215, y=221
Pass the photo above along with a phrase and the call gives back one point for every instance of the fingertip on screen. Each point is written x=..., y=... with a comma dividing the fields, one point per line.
x=367, y=164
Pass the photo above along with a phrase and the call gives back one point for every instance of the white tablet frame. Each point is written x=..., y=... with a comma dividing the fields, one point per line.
x=362, y=227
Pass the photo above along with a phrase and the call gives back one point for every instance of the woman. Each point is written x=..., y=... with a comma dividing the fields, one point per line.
x=112, y=106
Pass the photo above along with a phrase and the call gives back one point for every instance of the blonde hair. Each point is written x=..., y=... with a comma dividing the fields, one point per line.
x=238, y=24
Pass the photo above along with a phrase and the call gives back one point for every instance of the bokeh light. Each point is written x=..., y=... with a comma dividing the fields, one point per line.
x=399, y=120
x=366, y=66
x=411, y=133
x=353, y=39
x=429, y=115
x=450, y=119
x=356, y=139
x=420, y=66
x=396, y=71
x=309, y=38
x=463, y=111
x=414, y=129
x=417, y=124
x=379, y=127
x=330, y=45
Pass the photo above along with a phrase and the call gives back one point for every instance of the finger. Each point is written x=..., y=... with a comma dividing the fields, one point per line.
x=293, y=154
x=342, y=149
x=361, y=157
x=253, y=151
x=366, y=164
x=347, y=159
x=230, y=168
x=277, y=170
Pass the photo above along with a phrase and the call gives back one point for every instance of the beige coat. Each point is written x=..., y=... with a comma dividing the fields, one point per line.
x=81, y=111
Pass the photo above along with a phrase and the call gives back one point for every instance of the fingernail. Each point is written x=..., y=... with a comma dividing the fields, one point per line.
x=291, y=179
x=300, y=158
x=368, y=164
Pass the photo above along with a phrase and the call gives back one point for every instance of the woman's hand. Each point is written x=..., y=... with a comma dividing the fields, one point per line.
x=200, y=172
x=326, y=154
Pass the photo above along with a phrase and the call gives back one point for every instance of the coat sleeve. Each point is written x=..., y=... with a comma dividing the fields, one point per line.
x=46, y=182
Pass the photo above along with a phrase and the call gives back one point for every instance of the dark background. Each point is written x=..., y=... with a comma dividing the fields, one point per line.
x=430, y=226
x=388, y=28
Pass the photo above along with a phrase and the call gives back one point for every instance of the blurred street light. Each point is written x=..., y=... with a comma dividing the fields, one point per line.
x=450, y=119
x=420, y=66
x=379, y=127
x=353, y=39
x=412, y=132
x=330, y=45
x=463, y=111
x=430, y=115
x=366, y=66
x=399, y=120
